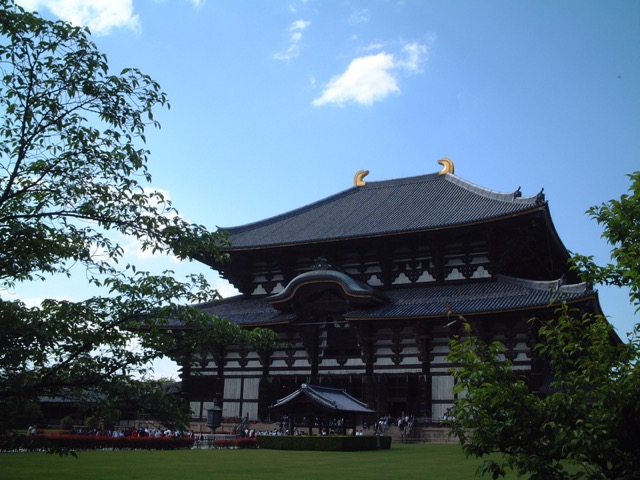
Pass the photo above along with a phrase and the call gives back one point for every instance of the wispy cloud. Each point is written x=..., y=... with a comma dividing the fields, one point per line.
x=295, y=37
x=197, y=3
x=372, y=78
x=101, y=16
x=359, y=16
x=413, y=57
x=297, y=6
x=37, y=301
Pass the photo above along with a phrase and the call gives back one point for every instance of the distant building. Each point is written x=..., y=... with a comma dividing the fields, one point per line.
x=362, y=287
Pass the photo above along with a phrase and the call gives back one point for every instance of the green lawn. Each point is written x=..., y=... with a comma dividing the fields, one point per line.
x=407, y=462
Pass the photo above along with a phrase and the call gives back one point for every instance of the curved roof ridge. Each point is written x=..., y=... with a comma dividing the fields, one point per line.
x=493, y=194
x=401, y=180
x=546, y=285
x=576, y=287
x=353, y=288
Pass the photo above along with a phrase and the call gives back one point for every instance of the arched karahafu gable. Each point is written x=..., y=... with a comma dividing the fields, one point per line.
x=316, y=283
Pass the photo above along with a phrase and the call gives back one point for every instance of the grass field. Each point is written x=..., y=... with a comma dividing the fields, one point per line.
x=406, y=462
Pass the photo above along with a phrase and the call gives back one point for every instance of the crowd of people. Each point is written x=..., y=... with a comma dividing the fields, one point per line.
x=448, y=416
x=141, y=431
x=324, y=426
x=403, y=422
x=333, y=426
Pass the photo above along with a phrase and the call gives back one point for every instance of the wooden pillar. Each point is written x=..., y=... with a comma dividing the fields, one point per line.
x=310, y=335
x=383, y=396
x=424, y=342
x=366, y=340
x=264, y=399
x=219, y=356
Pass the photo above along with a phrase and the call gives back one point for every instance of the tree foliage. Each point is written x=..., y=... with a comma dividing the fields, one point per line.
x=621, y=221
x=73, y=185
x=586, y=424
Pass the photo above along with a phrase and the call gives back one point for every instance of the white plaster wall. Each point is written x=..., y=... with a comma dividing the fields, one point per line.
x=442, y=387
x=251, y=386
x=231, y=409
x=232, y=387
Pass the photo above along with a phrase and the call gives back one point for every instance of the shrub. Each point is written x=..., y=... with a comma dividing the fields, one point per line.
x=92, y=423
x=336, y=443
x=66, y=423
x=247, y=443
x=235, y=443
x=223, y=443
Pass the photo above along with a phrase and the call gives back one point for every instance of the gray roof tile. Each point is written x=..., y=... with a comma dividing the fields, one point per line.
x=504, y=294
x=329, y=399
x=379, y=208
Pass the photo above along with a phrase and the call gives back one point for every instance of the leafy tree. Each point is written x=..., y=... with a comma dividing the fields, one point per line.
x=73, y=183
x=66, y=423
x=588, y=423
x=621, y=222
x=92, y=423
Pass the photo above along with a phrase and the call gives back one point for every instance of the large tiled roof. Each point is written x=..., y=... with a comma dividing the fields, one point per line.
x=505, y=294
x=325, y=398
x=381, y=208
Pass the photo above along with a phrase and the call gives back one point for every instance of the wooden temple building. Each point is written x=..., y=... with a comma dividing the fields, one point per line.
x=362, y=287
x=328, y=410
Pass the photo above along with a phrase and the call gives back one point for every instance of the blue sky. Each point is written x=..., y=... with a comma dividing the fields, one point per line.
x=276, y=104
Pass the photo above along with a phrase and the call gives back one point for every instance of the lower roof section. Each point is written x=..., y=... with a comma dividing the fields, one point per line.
x=500, y=295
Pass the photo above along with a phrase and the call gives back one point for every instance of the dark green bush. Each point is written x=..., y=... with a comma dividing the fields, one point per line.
x=235, y=443
x=246, y=443
x=66, y=423
x=335, y=443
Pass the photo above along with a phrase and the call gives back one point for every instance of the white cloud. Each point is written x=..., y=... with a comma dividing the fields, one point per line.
x=101, y=16
x=37, y=301
x=415, y=55
x=295, y=37
x=366, y=80
x=374, y=46
x=299, y=25
x=197, y=3
x=373, y=78
x=295, y=7
x=359, y=16
x=225, y=289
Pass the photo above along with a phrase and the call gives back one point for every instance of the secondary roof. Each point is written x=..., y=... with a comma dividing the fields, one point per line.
x=503, y=294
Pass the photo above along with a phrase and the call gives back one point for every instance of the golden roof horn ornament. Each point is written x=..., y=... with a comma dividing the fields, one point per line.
x=447, y=164
x=358, y=180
